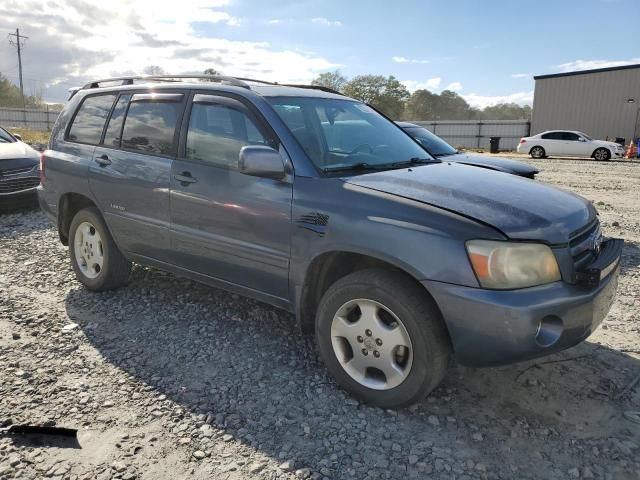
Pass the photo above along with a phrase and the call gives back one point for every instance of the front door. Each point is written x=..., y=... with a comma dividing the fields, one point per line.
x=131, y=170
x=224, y=224
x=573, y=146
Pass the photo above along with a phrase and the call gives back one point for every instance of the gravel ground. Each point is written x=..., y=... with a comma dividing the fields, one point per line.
x=168, y=379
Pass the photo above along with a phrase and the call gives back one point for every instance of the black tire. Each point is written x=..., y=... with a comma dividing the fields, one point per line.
x=537, y=152
x=419, y=315
x=115, y=268
x=602, y=154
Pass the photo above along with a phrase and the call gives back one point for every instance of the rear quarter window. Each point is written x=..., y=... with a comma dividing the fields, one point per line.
x=90, y=118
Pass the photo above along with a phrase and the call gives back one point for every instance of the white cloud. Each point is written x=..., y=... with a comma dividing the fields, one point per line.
x=430, y=84
x=274, y=21
x=482, y=101
x=521, y=75
x=454, y=87
x=408, y=60
x=74, y=41
x=592, y=64
x=326, y=22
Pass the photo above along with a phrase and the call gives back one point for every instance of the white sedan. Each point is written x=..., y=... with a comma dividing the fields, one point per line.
x=567, y=143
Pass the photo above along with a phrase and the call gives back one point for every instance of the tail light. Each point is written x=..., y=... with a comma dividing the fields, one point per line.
x=42, y=168
x=522, y=140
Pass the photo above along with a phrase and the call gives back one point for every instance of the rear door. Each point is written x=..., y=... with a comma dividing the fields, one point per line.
x=227, y=225
x=553, y=143
x=131, y=170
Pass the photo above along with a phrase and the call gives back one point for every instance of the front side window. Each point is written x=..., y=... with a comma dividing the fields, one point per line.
x=89, y=122
x=336, y=133
x=572, y=137
x=150, y=126
x=114, y=128
x=217, y=132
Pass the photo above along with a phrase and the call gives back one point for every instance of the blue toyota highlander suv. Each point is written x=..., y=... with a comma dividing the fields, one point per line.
x=316, y=203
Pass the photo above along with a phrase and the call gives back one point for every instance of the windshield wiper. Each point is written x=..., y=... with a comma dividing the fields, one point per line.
x=415, y=161
x=353, y=166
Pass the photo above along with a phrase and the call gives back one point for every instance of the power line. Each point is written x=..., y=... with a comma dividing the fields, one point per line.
x=18, y=43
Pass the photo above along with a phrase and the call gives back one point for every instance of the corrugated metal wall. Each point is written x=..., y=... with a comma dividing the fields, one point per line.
x=593, y=103
x=34, y=119
x=476, y=133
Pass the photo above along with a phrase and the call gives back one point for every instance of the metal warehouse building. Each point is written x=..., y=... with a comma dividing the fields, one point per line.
x=601, y=103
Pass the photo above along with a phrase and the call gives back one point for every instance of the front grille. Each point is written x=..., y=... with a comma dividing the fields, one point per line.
x=15, y=171
x=581, y=244
x=9, y=185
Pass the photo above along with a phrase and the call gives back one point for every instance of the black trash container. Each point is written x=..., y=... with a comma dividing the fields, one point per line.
x=494, y=144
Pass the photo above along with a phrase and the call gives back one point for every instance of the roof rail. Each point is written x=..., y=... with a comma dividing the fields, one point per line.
x=314, y=87
x=234, y=81
x=169, y=78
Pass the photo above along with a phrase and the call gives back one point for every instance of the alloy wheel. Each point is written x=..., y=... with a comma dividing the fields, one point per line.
x=371, y=344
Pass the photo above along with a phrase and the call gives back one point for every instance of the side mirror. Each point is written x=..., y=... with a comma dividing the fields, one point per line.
x=17, y=135
x=582, y=139
x=261, y=161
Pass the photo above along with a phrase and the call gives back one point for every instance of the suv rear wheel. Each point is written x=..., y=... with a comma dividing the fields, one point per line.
x=382, y=337
x=95, y=258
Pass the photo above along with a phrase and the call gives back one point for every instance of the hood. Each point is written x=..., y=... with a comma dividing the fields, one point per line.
x=518, y=207
x=605, y=143
x=502, y=164
x=15, y=150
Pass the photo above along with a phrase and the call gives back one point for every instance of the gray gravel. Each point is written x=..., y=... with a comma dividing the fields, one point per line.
x=168, y=379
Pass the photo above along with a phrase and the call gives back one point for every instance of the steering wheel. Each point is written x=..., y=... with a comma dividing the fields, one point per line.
x=361, y=148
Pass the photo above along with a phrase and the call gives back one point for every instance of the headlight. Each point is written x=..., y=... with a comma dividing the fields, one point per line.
x=507, y=265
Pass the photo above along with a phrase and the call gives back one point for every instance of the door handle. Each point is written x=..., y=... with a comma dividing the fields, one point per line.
x=185, y=178
x=103, y=160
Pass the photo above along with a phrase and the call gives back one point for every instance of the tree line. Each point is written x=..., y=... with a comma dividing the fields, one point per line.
x=10, y=96
x=392, y=98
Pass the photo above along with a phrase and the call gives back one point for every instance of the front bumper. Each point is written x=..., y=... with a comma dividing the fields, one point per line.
x=493, y=327
x=19, y=199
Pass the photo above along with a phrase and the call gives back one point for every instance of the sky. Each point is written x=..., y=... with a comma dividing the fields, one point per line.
x=487, y=51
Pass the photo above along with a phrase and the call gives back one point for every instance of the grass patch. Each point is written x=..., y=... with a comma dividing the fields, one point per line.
x=31, y=136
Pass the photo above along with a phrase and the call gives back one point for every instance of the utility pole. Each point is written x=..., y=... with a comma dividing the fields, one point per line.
x=18, y=43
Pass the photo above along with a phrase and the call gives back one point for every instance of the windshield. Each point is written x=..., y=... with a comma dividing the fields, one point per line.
x=5, y=137
x=344, y=134
x=431, y=142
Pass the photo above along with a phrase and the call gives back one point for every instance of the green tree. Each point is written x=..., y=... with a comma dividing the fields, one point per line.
x=211, y=71
x=507, y=111
x=10, y=95
x=386, y=94
x=154, y=70
x=334, y=80
x=421, y=105
x=452, y=106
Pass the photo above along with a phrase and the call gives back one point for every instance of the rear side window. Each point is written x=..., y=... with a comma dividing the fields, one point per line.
x=114, y=128
x=150, y=127
x=89, y=121
x=553, y=136
x=218, y=132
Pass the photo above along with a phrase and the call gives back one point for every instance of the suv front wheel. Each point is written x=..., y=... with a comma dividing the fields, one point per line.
x=96, y=260
x=382, y=337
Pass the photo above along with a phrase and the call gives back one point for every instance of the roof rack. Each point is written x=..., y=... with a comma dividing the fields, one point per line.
x=313, y=87
x=168, y=78
x=234, y=81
